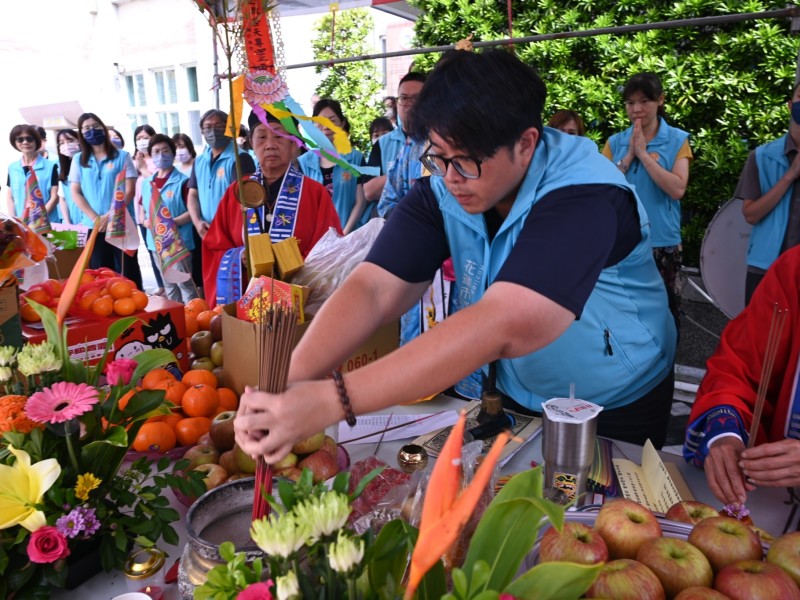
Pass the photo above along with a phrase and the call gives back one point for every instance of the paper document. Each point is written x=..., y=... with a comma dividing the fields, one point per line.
x=655, y=484
x=369, y=428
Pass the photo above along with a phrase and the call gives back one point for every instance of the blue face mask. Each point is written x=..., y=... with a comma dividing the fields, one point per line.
x=117, y=142
x=796, y=112
x=163, y=161
x=95, y=137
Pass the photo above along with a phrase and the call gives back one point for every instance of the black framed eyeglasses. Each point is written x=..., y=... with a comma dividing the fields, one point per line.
x=407, y=99
x=21, y=139
x=466, y=166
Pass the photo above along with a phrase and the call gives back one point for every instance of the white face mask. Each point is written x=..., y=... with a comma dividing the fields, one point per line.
x=69, y=148
x=142, y=145
x=183, y=156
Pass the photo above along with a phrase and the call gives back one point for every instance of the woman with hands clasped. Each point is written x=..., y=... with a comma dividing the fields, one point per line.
x=722, y=413
x=654, y=156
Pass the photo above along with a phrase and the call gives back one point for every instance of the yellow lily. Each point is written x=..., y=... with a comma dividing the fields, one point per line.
x=445, y=511
x=22, y=487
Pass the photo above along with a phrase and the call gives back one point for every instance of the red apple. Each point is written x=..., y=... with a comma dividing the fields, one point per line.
x=244, y=462
x=221, y=432
x=701, y=593
x=625, y=525
x=725, y=540
x=576, y=542
x=690, y=511
x=626, y=579
x=309, y=445
x=200, y=343
x=215, y=475
x=215, y=327
x=201, y=455
x=292, y=473
x=205, y=440
x=321, y=464
x=785, y=553
x=677, y=564
x=756, y=580
x=228, y=462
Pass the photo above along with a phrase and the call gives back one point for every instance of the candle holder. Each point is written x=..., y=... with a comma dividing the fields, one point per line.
x=412, y=457
x=144, y=572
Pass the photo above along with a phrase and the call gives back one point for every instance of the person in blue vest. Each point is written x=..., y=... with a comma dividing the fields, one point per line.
x=173, y=187
x=92, y=178
x=67, y=145
x=213, y=172
x=341, y=184
x=551, y=250
x=25, y=139
x=771, y=198
x=655, y=157
x=385, y=152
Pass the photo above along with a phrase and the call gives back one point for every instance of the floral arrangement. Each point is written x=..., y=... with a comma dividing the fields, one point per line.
x=63, y=438
x=310, y=553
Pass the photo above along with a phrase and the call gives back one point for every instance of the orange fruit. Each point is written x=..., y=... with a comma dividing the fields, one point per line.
x=198, y=376
x=204, y=320
x=86, y=278
x=228, y=400
x=120, y=289
x=38, y=295
x=102, y=307
x=155, y=437
x=155, y=376
x=173, y=419
x=197, y=305
x=174, y=391
x=218, y=309
x=140, y=299
x=200, y=400
x=191, y=325
x=86, y=300
x=124, y=307
x=28, y=314
x=188, y=431
x=55, y=287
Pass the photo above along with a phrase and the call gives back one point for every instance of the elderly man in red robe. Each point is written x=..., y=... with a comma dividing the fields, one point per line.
x=295, y=206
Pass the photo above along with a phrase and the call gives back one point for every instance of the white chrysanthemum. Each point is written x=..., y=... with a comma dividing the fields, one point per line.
x=287, y=587
x=38, y=358
x=345, y=553
x=279, y=535
x=324, y=515
x=7, y=356
x=6, y=374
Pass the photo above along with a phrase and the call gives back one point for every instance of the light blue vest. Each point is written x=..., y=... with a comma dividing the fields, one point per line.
x=767, y=235
x=97, y=182
x=213, y=180
x=344, y=182
x=663, y=211
x=43, y=168
x=626, y=312
x=391, y=144
x=173, y=199
x=75, y=213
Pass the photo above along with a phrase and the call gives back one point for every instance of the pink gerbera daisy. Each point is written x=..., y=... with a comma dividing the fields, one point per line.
x=61, y=402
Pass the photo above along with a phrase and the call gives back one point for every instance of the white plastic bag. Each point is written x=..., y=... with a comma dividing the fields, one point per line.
x=332, y=259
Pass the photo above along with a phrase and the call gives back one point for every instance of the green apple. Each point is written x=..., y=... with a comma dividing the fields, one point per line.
x=310, y=444
x=244, y=462
x=201, y=455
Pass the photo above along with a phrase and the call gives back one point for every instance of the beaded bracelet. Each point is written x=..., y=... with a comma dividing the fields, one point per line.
x=349, y=416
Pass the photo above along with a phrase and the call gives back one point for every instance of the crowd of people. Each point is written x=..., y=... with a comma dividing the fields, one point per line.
x=476, y=198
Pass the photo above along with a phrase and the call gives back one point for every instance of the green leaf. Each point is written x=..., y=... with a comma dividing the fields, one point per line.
x=388, y=556
x=433, y=586
x=554, y=581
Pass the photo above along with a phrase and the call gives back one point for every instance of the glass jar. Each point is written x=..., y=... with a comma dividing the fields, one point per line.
x=144, y=572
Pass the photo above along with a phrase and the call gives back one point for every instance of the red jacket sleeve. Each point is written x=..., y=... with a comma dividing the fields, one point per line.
x=224, y=233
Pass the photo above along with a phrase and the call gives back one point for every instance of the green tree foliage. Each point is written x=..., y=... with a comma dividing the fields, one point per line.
x=727, y=85
x=357, y=85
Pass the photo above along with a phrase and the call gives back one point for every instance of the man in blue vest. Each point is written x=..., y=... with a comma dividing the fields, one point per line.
x=213, y=171
x=551, y=251
x=771, y=198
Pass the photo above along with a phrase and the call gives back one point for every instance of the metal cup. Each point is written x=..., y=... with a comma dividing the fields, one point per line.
x=569, y=429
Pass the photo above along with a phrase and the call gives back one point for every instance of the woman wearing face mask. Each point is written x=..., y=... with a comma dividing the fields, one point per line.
x=144, y=166
x=172, y=186
x=655, y=157
x=341, y=184
x=68, y=146
x=92, y=177
x=25, y=139
x=184, y=153
x=116, y=138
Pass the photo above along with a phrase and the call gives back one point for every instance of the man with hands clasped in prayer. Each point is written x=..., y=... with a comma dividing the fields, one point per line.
x=722, y=414
x=504, y=193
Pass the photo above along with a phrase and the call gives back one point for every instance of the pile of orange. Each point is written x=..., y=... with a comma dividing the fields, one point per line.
x=197, y=398
x=198, y=316
x=119, y=297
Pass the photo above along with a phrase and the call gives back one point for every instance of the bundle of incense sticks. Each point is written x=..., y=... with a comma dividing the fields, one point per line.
x=771, y=350
x=275, y=331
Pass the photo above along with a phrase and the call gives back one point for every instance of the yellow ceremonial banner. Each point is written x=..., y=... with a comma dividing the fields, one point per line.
x=236, y=116
x=340, y=139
